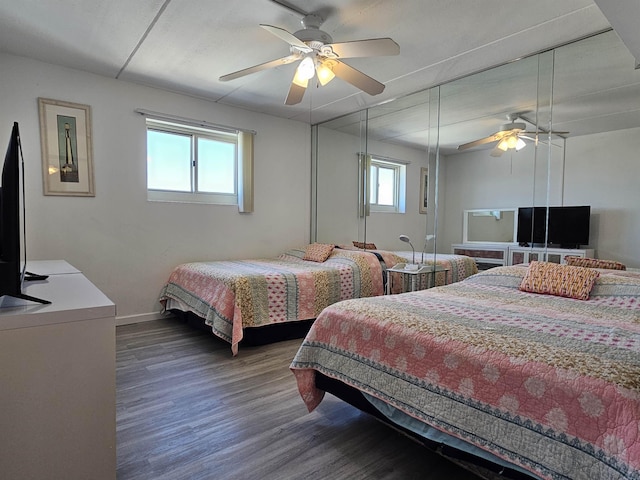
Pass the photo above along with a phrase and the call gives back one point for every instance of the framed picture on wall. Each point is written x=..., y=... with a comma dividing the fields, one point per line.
x=424, y=189
x=65, y=139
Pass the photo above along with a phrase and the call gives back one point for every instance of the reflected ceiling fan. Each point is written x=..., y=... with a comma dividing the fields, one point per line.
x=320, y=57
x=511, y=135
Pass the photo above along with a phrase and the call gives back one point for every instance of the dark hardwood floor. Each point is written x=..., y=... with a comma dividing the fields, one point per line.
x=187, y=409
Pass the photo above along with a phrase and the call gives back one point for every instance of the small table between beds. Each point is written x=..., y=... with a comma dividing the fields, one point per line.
x=412, y=280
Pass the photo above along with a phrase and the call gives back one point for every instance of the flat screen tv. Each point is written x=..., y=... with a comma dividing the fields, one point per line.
x=568, y=227
x=12, y=266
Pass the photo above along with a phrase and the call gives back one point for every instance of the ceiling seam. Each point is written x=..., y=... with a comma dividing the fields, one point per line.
x=144, y=36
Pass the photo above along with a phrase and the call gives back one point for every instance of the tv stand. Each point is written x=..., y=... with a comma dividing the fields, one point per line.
x=32, y=277
x=518, y=255
x=23, y=296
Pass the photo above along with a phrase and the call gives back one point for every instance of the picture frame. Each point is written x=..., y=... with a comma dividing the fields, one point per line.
x=67, y=148
x=424, y=189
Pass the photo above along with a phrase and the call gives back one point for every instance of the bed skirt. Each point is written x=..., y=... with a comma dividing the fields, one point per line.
x=479, y=466
x=253, y=336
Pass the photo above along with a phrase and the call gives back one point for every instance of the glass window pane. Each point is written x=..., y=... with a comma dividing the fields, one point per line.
x=216, y=166
x=168, y=161
x=373, y=188
x=386, y=186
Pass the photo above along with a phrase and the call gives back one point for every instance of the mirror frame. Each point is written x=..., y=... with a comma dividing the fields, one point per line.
x=492, y=212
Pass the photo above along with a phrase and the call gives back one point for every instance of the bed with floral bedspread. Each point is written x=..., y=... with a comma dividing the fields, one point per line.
x=547, y=384
x=237, y=294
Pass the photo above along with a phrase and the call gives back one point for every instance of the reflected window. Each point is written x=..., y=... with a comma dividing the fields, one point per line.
x=386, y=178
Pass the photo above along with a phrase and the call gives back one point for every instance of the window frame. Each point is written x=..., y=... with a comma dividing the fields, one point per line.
x=195, y=133
x=399, y=182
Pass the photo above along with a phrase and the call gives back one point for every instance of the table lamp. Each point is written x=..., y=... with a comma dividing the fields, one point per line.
x=413, y=265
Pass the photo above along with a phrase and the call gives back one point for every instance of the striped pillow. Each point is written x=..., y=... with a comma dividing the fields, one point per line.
x=594, y=263
x=317, y=252
x=560, y=280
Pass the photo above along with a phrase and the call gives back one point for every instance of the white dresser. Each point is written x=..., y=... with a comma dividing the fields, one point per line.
x=489, y=255
x=486, y=255
x=519, y=255
x=57, y=379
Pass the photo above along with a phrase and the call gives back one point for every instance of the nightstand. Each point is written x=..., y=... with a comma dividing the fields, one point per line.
x=412, y=280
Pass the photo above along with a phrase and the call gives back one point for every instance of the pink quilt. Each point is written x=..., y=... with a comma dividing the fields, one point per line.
x=547, y=383
x=232, y=295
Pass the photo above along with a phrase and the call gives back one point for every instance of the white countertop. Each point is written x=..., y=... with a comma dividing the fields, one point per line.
x=69, y=292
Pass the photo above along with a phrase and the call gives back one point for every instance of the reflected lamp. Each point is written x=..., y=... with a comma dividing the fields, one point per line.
x=406, y=239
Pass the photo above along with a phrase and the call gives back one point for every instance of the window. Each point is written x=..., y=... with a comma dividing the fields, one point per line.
x=195, y=162
x=387, y=180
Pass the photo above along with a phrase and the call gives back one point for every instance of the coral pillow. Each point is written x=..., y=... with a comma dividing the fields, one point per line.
x=561, y=280
x=594, y=263
x=317, y=252
x=365, y=246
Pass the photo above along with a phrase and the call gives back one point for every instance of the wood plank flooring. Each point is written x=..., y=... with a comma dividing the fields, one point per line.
x=187, y=409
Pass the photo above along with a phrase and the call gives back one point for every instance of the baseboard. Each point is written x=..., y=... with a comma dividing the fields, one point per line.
x=143, y=317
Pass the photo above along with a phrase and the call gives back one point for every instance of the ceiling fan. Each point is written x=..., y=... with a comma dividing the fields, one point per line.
x=511, y=135
x=320, y=57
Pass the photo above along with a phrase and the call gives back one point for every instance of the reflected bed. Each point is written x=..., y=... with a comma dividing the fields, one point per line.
x=457, y=267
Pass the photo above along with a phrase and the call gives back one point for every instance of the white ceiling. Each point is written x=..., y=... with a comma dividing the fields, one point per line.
x=186, y=45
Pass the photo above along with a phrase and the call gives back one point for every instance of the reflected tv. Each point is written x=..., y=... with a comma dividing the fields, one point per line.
x=565, y=227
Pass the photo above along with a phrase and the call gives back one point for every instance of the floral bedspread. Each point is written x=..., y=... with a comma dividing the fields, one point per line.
x=232, y=295
x=547, y=383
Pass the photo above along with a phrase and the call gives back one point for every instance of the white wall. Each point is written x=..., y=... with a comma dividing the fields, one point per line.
x=603, y=171
x=600, y=170
x=124, y=244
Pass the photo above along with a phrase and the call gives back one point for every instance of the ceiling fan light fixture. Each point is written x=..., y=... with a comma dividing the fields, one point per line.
x=503, y=145
x=306, y=70
x=301, y=82
x=324, y=72
x=512, y=141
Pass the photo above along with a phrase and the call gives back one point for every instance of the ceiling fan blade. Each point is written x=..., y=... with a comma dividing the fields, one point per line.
x=357, y=78
x=546, y=133
x=375, y=47
x=287, y=37
x=296, y=92
x=263, y=66
x=496, y=152
x=289, y=7
x=492, y=138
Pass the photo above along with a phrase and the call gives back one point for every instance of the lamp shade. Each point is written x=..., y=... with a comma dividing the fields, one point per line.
x=406, y=239
x=301, y=82
x=306, y=69
x=512, y=141
x=324, y=72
